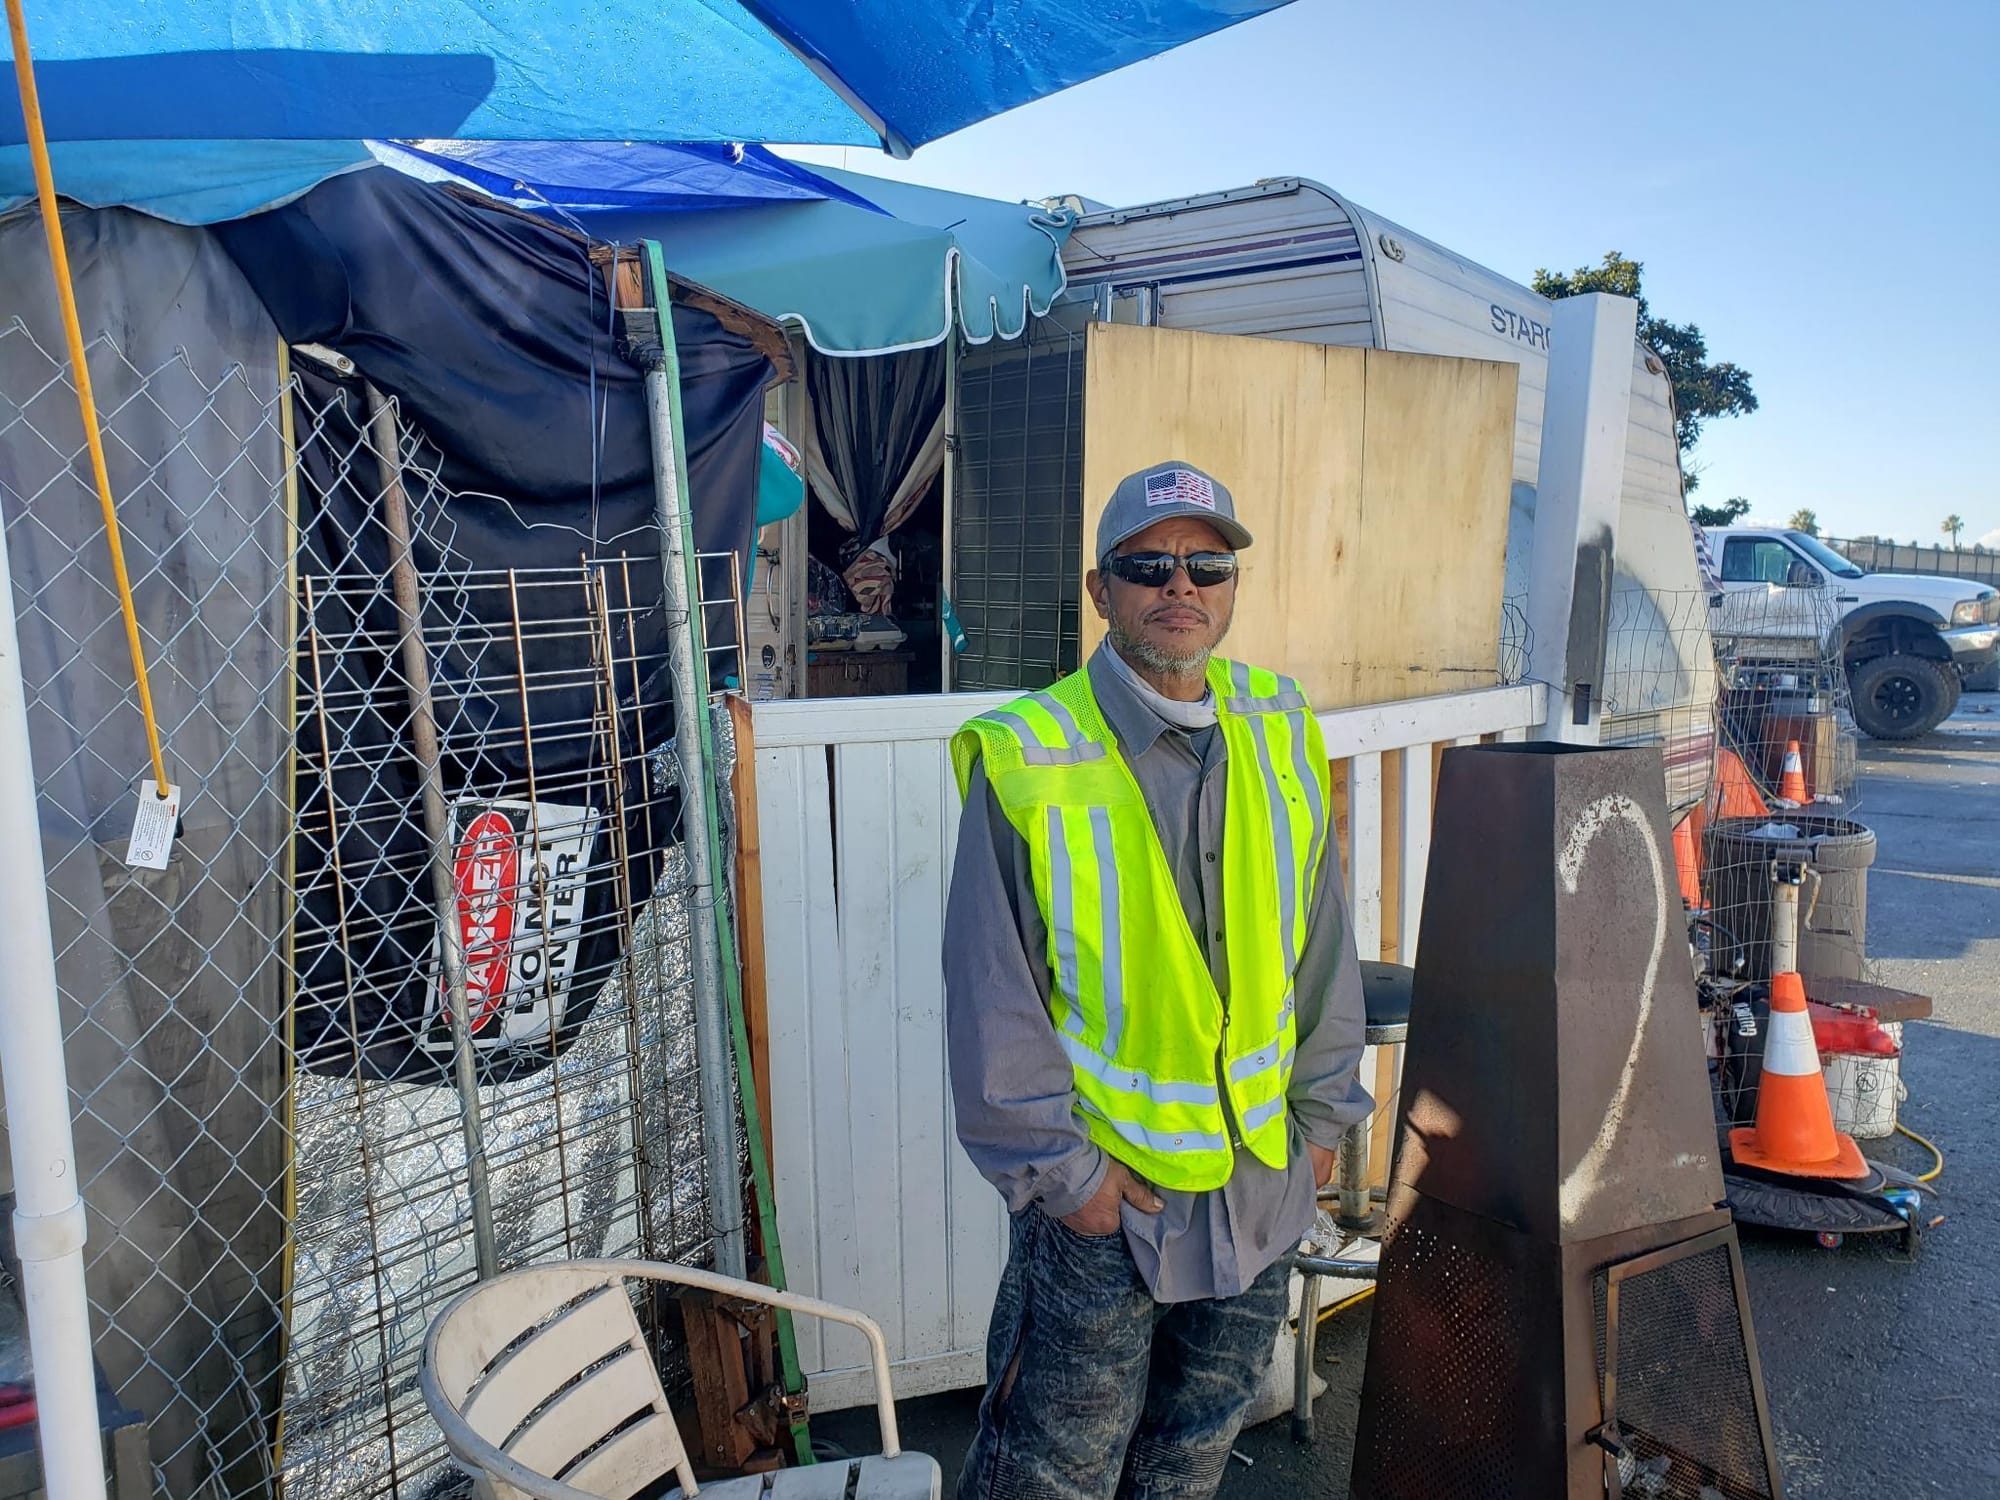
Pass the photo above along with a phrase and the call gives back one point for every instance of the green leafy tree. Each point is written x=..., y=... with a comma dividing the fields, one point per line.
x=1725, y=514
x=1805, y=520
x=1703, y=389
x=1953, y=525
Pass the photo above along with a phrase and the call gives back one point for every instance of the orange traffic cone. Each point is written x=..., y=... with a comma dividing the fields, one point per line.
x=1687, y=855
x=1794, y=1132
x=1792, y=783
x=1735, y=795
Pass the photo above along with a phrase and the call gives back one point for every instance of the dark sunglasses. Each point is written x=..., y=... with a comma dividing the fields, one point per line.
x=1155, y=570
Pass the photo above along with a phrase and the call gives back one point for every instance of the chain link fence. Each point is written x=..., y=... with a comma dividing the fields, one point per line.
x=272, y=1154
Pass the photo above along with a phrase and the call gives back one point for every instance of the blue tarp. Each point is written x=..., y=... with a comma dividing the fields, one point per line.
x=599, y=176
x=864, y=72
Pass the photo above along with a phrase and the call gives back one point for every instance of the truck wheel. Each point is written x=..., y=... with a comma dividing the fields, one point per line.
x=1954, y=686
x=1899, y=697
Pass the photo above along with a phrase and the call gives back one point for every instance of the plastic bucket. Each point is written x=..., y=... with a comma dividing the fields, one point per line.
x=1834, y=942
x=1865, y=1090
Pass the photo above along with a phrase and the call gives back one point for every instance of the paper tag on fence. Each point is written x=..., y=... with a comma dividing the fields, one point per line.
x=153, y=825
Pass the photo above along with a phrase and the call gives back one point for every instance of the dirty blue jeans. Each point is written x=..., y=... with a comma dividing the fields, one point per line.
x=1096, y=1391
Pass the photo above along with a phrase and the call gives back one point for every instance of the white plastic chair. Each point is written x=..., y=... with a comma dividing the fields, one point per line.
x=543, y=1385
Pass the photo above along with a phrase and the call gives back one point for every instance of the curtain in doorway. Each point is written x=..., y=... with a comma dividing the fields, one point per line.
x=877, y=436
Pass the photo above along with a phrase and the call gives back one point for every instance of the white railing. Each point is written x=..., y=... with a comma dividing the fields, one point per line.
x=878, y=1207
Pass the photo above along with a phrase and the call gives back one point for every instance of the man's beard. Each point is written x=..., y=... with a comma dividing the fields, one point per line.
x=1166, y=661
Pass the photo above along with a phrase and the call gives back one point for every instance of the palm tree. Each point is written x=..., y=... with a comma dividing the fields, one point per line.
x=1953, y=524
x=1806, y=521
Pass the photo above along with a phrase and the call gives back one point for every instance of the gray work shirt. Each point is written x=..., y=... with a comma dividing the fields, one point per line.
x=1011, y=1082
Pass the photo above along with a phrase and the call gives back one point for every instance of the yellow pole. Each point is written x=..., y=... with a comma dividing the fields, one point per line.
x=45, y=192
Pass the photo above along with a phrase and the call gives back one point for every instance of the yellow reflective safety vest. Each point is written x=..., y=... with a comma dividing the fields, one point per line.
x=1168, y=1076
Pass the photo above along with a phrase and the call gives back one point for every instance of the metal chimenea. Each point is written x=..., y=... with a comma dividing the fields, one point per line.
x=1561, y=1308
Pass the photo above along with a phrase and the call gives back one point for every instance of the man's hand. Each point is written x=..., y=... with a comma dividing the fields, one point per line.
x=1324, y=1162
x=1100, y=1214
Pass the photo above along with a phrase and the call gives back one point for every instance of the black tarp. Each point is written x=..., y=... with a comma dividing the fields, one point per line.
x=493, y=332
x=527, y=447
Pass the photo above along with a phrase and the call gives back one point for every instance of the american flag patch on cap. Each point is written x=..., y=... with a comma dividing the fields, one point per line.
x=1180, y=487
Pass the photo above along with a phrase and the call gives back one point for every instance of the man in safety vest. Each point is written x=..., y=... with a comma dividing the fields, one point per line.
x=1155, y=1019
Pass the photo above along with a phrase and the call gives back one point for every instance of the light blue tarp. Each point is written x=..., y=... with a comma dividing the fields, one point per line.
x=863, y=72
x=183, y=182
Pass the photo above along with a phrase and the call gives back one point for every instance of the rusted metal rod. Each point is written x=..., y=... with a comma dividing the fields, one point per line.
x=384, y=437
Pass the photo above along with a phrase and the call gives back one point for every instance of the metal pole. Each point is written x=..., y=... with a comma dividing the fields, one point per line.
x=1785, y=882
x=48, y=1213
x=1304, y=1344
x=949, y=494
x=383, y=437
x=1355, y=1215
x=689, y=670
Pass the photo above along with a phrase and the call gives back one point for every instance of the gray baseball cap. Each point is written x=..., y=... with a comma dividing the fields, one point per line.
x=1161, y=492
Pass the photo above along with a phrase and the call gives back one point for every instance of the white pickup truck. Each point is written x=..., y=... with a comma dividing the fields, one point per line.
x=1907, y=640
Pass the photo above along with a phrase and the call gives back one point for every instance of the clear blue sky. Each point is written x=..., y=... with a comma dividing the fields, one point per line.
x=1817, y=186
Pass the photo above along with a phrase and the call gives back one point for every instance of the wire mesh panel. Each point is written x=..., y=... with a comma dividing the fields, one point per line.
x=1678, y=1372
x=1017, y=510
x=1783, y=795
x=271, y=1150
x=1659, y=683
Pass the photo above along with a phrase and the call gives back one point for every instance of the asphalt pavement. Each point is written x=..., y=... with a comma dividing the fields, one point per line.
x=1873, y=1364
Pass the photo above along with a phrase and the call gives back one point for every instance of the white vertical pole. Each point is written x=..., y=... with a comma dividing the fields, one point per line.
x=1584, y=424
x=1414, y=830
x=48, y=1212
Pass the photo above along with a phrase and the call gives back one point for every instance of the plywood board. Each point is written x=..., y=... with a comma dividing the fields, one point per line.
x=1376, y=485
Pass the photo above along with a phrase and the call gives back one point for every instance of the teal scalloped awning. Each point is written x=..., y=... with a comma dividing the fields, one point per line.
x=859, y=282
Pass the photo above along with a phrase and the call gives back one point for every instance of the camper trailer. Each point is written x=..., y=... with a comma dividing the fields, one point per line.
x=1290, y=259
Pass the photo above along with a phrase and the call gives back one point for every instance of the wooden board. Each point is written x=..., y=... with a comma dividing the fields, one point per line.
x=1376, y=484
x=750, y=911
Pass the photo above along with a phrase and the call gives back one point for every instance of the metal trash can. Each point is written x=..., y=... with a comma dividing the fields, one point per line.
x=1834, y=942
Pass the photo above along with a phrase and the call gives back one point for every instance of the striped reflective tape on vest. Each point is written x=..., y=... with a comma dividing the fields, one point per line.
x=1263, y=1060
x=1256, y=1118
x=1109, y=935
x=1035, y=751
x=1289, y=700
x=1302, y=767
x=1281, y=813
x=1062, y=914
x=1114, y=1075
x=1161, y=1142
x=1246, y=701
x=1062, y=922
